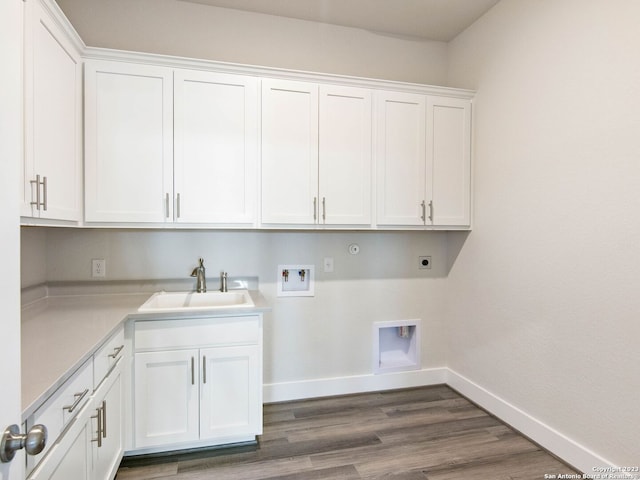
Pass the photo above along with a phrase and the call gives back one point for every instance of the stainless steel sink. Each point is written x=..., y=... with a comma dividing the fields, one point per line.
x=189, y=301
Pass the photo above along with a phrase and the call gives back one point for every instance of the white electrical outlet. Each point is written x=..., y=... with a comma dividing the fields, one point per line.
x=98, y=268
x=328, y=264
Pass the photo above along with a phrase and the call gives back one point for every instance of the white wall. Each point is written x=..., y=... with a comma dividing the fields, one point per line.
x=326, y=336
x=200, y=31
x=544, y=297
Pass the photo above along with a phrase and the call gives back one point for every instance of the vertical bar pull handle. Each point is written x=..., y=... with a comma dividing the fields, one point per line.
x=193, y=375
x=424, y=213
x=37, y=183
x=324, y=209
x=98, y=417
x=104, y=419
x=431, y=211
x=44, y=193
x=315, y=209
x=204, y=369
x=178, y=205
x=166, y=205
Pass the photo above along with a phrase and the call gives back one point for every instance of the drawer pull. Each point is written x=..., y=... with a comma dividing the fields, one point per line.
x=116, y=351
x=78, y=398
x=193, y=379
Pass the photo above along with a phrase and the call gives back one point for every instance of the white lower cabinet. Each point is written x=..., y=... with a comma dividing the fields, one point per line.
x=108, y=440
x=90, y=445
x=199, y=387
x=166, y=397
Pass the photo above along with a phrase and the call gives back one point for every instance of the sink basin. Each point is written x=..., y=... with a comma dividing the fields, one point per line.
x=189, y=301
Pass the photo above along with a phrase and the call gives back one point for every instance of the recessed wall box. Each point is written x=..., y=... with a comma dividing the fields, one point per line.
x=396, y=346
x=295, y=280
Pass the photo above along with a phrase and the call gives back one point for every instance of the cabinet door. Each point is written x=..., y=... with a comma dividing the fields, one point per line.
x=74, y=463
x=401, y=158
x=166, y=397
x=107, y=454
x=53, y=116
x=289, y=152
x=216, y=136
x=231, y=397
x=449, y=153
x=128, y=143
x=70, y=456
x=345, y=155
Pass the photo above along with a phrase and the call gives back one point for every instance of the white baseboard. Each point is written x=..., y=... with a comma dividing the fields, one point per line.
x=326, y=387
x=555, y=442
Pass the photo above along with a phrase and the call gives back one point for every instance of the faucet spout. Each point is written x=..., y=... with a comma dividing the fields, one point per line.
x=201, y=280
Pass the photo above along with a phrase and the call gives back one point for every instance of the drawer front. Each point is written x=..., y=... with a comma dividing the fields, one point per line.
x=57, y=412
x=107, y=356
x=190, y=333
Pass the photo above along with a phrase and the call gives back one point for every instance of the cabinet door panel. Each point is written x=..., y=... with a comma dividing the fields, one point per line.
x=401, y=159
x=107, y=456
x=289, y=152
x=52, y=118
x=216, y=132
x=345, y=155
x=166, y=397
x=75, y=462
x=449, y=153
x=231, y=402
x=128, y=142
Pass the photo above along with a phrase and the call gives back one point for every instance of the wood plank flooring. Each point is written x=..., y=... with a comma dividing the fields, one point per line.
x=429, y=433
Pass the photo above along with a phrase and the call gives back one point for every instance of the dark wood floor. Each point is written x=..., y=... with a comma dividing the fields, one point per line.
x=426, y=433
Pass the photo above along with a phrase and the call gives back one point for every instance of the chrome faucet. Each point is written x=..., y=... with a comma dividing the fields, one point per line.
x=223, y=281
x=201, y=281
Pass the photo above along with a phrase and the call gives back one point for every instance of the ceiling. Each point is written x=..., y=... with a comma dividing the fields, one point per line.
x=439, y=20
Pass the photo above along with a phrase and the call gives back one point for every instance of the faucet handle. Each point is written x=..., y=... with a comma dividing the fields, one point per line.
x=195, y=272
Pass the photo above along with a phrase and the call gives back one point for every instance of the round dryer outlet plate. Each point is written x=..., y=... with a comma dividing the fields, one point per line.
x=354, y=249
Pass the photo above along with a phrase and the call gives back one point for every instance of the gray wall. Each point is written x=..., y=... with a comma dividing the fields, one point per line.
x=199, y=31
x=544, y=299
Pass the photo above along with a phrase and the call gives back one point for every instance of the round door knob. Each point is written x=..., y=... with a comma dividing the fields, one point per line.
x=33, y=441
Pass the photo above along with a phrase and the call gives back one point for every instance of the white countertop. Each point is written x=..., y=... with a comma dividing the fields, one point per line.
x=59, y=333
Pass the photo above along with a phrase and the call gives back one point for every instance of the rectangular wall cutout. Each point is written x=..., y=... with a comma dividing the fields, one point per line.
x=396, y=346
x=295, y=280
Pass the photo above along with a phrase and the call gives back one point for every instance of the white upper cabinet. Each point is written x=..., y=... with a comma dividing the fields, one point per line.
x=128, y=142
x=216, y=147
x=316, y=154
x=423, y=160
x=449, y=153
x=53, y=120
x=289, y=152
x=401, y=158
x=345, y=156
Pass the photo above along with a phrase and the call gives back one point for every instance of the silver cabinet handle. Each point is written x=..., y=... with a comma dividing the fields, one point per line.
x=178, y=205
x=424, y=214
x=38, y=203
x=431, y=211
x=166, y=205
x=324, y=209
x=204, y=369
x=12, y=440
x=98, y=417
x=104, y=419
x=315, y=208
x=116, y=351
x=193, y=376
x=76, y=402
x=44, y=193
